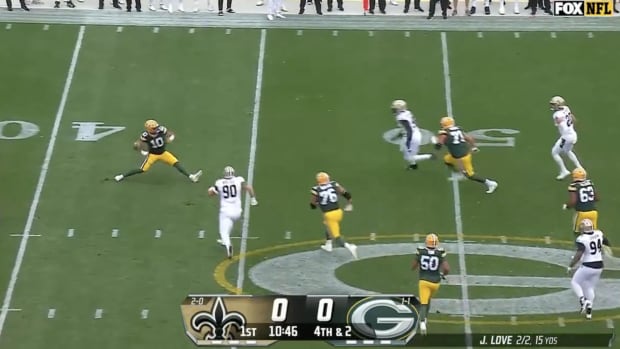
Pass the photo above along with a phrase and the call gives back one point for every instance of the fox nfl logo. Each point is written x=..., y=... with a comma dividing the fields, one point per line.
x=583, y=8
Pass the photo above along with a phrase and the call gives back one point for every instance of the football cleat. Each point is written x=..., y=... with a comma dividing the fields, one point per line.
x=119, y=178
x=584, y=307
x=423, y=327
x=492, y=187
x=562, y=175
x=352, y=248
x=194, y=177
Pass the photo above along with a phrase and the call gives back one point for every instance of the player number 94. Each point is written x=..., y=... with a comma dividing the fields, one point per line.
x=324, y=311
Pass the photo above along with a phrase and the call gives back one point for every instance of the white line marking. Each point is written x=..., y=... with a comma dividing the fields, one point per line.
x=300, y=32
x=458, y=219
x=517, y=35
x=201, y=234
x=288, y=235
x=561, y=322
x=503, y=239
x=46, y=27
x=590, y=35
x=30, y=235
x=191, y=30
x=144, y=314
x=42, y=175
x=371, y=33
x=373, y=236
x=547, y=240
x=156, y=30
x=70, y=233
x=416, y=237
x=119, y=29
x=610, y=323
x=228, y=31
x=513, y=320
x=51, y=313
x=98, y=313
x=245, y=229
x=553, y=35
x=157, y=234
x=335, y=33
x=8, y=26
x=114, y=233
x=13, y=309
x=407, y=34
x=480, y=35
x=247, y=237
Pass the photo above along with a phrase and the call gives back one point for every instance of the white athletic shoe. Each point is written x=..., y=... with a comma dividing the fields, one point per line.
x=393, y=3
x=327, y=246
x=502, y=9
x=270, y=17
x=586, y=304
x=260, y=3
x=423, y=327
x=163, y=7
x=170, y=9
x=221, y=242
x=283, y=9
x=516, y=9
x=181, y=8
x=152, y=8
x=194, y=177
x=119, y=178
x=279, y=15
x=352, y=248
x=491, y=187
x=562, y=175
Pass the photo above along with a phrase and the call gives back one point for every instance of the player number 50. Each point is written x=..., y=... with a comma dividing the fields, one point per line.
x=324, y=312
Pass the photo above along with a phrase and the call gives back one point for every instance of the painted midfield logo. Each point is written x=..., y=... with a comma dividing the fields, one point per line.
x=219, y=321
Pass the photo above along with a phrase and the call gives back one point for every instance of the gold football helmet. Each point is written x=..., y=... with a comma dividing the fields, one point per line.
x=151, y=126
x=322, y=178
x=579, y=174
x=431, y=241
x=446, y=122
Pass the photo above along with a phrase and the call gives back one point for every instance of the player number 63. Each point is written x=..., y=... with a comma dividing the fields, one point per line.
x=324, y=311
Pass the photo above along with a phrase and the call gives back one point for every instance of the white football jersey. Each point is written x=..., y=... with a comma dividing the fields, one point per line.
x=593, y=246
x=406, y=115
x=230, y=190
x=563, y=119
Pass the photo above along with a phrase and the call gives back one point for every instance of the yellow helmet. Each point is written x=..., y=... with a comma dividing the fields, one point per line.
x=446, y=121
x=431, y=241
x=151, y=125
x=399, y=105
x=579, y=174
x=322, y=178
x=556, y=102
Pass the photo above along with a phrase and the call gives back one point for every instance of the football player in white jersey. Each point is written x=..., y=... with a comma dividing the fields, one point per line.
x=229, y=190
x=565, y=122
x=412, y=135
x=590, y=246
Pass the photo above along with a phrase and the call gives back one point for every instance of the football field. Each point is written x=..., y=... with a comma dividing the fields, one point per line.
x=86, y=262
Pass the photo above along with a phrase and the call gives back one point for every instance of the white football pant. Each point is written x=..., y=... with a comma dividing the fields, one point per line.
x=564, y=145
x=411, y=154
x=275, y=6
x=227, y=221
x=584, y=281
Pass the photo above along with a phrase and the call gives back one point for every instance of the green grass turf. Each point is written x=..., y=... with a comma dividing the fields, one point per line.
x=325, y=105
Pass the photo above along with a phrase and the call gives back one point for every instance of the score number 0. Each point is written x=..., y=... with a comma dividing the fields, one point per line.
x=324, y=311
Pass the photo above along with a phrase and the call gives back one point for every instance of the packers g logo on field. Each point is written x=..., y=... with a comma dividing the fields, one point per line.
x=383, y=318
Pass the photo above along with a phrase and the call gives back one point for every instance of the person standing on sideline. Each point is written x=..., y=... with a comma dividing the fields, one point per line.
x=138, y=5
x=275, y=6
x=220, y=7
x=444, y=8
x=416, y=6
x=317, y=6
x=9, y=5
x=115, y=4
x=371, y=9
x=330, y=4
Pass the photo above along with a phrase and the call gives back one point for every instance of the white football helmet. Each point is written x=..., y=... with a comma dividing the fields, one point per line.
x=557, y=102
x=229, y=172
x=586, y=226
x=399, y=105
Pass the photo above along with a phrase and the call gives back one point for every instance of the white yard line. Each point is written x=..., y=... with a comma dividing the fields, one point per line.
x=42, y=175
x=245, y=229
x=457, y=202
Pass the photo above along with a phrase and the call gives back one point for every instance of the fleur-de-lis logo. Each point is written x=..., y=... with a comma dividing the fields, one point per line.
x=219, y=321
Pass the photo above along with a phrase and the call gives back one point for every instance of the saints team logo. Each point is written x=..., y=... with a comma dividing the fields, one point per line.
x=218, y=323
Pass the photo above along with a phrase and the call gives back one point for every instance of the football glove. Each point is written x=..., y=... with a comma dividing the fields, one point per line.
x=564, y=207
x=253, y=202
x=348, y=207
x=475, y=150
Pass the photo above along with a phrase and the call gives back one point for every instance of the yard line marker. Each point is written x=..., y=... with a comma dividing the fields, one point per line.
x=288, y=235
x=561, y=322
x=156, y=30
x=610, y=323
x=480, y=35
x=144, y=314
x=119, y=29
x=553, y=35
x=46, y=27
x=31, y=235
x=42, y=175
x=228, y=31
x=547, y=240
x=191, y=30
x=157, y=234
x=245, y=228
x=114, y=233
x=458, y=219
x=407, y=34
x=517, y=35
x=503, y=239
x=416, y=237
x=13, y=309
x=335, y=33
x=373, y=236
x=98, y=313
x=51, y=313
x=8, y=26
x=70, y=233
x=590, y=35
x=371, y=33
x=513, y=320
x=247, y=237
x=300, y=32
x=201, y=234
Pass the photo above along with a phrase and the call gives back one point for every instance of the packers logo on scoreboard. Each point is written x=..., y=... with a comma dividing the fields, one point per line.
x=384, y=318
x=583, y=8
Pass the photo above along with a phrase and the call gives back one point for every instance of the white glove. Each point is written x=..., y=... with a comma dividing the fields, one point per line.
x=348, y=207
x=564, y=207
x=253, y=202
x=144, y=152
x=475, y=149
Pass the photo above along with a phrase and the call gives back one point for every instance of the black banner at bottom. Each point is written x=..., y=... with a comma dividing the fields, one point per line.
x=561, y=340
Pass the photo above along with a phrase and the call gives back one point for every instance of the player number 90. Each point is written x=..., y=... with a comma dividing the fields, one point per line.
x=324, y=311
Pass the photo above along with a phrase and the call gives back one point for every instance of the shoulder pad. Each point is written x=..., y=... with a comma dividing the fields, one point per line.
x=144, y=135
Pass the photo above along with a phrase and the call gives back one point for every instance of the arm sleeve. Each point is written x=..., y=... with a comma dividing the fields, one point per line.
x=580, y=246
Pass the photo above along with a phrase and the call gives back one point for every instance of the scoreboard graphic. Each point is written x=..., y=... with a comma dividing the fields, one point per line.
x=377, y=320
x=264, y=320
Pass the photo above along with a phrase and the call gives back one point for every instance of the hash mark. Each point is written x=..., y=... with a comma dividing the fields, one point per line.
x=407, y=34
x=51, y=313
x=8, y=26
x=46, y=27
x=228, y=31
x=548, y=240
x=373, y=236
x=156, y=30
x=157, y=234
x=300, y=32
x=201, y=234
x=371, y=33
x=70, y=233
x=553, y=35
x=114, y=233
x=416, y=237
x=335, y=33
x=503, y=239
x=191, y=30
x=480, y=35
x=98, y=313
x=590, y=35
x=610, y=323
x=119, y=29
x=144, y=314
x=288, y=235
x=517, y=35
x=513, y=320
x=561, y=322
